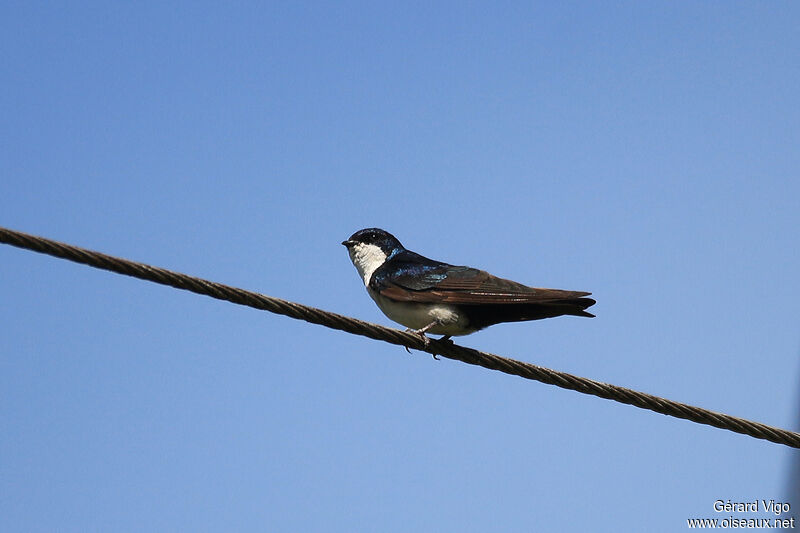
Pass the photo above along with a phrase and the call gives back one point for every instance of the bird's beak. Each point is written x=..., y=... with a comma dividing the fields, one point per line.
x=348, y=243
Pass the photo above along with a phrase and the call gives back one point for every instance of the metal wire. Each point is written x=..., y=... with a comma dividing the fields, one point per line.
x=394, y=336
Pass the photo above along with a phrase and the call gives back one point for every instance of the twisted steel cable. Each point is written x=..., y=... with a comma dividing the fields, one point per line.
x=394, y=336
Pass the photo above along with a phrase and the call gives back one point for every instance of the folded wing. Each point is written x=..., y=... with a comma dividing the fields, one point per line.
x=469, y=286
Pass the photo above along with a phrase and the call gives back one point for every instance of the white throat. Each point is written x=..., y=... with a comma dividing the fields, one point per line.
x=367, y=258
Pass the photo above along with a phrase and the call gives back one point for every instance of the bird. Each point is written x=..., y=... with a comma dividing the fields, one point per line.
x=429, y=296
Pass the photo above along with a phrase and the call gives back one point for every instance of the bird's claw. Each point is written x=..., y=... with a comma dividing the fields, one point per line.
x=426, y=340
x=445, y=339
x=421, y=334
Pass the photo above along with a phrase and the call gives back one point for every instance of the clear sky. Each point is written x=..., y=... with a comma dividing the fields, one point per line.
x=645, y=151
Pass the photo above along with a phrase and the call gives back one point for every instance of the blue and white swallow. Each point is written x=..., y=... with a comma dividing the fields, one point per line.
x=429, y=296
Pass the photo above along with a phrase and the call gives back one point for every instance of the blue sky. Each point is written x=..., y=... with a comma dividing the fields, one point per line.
x=647, y=152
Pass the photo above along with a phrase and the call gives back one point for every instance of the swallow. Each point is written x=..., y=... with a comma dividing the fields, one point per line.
x=429, y=296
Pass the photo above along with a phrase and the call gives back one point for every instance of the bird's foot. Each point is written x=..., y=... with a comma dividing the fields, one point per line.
x=425, y=339
x=421, y=334
x=445, y=339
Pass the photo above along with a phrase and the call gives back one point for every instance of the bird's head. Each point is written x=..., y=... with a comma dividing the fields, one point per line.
x=369, y=248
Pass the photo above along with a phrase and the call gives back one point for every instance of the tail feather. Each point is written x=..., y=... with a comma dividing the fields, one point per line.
x=485, y=316
x=576, y=306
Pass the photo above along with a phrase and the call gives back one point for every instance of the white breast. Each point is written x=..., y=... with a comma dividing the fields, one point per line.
x=367, y=258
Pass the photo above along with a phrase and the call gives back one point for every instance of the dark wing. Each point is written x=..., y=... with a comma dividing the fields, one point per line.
x=418, y=279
